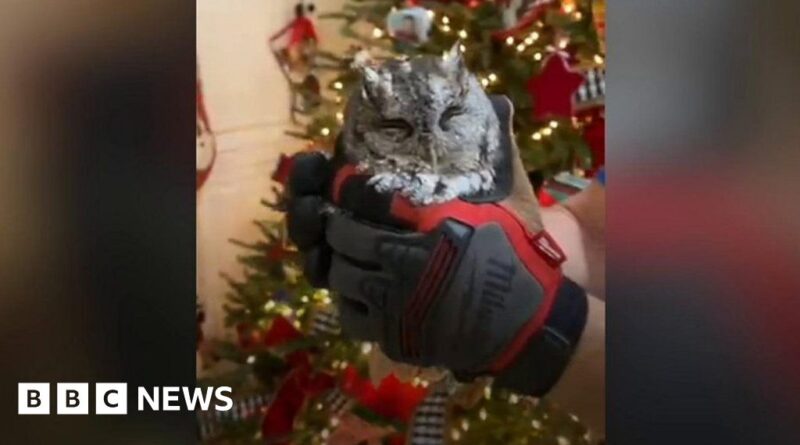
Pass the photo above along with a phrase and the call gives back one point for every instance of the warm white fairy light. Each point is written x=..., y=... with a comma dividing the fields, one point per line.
x=462, y=34
x=537, y=56
x=431, y=13
x=366, y=348
x=377, y=33
x=300, y=312
x=446, y=28
x=339, y=116
x=465, y=424
x=521, y=47
x=296, y=324
x=509, y=40
x=455, y=434
x=562, y=440
x=251, y=359
x=334, y=422
x=553, y=124
x=324, y=433
x=568, y=6
x=484, y=82
x=462, y=47
x=492, y=77
x=536, y=136
x=547, y=131
x=562, y=43
x=487, y=392
x=325, y=131
x=286, y=311
x=513, y=399
x=304, y=298
x=445, y=20
x=338, y=85
x=598, y=59
x=536, y=424
x=577, y=15
x=483, y=414
x=269, y=305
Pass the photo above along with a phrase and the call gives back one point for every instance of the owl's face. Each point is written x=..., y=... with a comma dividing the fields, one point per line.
x=426, y=115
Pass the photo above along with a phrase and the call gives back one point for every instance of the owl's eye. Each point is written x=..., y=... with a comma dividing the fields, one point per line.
x=448, y=114
x=396, y=128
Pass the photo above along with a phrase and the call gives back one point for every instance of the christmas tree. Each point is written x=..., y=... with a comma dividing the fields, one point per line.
x=297, y=379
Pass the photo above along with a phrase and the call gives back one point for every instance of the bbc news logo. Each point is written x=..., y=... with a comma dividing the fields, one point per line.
x=112, y=398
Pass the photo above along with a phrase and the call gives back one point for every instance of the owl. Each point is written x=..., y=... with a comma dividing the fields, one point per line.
x=422, y=127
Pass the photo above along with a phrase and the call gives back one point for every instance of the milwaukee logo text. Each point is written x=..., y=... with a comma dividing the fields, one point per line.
x=112, y=398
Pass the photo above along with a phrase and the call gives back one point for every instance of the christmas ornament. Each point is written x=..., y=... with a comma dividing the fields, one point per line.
x=409, y=26
x=553, y=89
x=592, y=91
x=519, y=14
x=599, y=19
x=206, y=148
x=298, y=54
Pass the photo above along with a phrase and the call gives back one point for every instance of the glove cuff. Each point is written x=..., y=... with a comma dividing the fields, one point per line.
x=540, y=364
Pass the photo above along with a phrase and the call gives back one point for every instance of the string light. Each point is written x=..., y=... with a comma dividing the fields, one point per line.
x=513, y=399
x=563, y=43
x=296, y=324
x=462, y=48
x=482, y=414
x=492, y=77
x=304, y=298
x=431, y=13
x=536, y=424
x=562, y=440
x=251, y=359
x=536, y=136
x=340, y=116
x=325, y=131
x=462, y=34
x=377, y=33
x=334, y=422
x=338, y=85
x=521, y=47
x=577, y=15
x=445, y=20
x=465, y=424
x=547, y=131
x=537, y=56
x=553, y=124
x=446, y=28
x=487, y=392
x=568, y=6
x=269, y=305
x=455, y=434
x=598, y=59
x=509, y=40
x=484, y=82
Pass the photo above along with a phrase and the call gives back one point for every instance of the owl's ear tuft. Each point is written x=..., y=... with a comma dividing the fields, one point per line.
x=453, y=63
x=376, y=84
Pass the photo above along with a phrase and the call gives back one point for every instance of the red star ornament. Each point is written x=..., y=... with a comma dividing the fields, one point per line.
x=553, y=89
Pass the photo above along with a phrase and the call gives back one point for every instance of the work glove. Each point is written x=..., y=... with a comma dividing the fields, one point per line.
x=473, y=285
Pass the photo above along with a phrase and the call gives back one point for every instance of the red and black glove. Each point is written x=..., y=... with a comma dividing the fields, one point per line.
x=464, y=285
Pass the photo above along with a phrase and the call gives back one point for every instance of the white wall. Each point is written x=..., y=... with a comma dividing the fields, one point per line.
x=247, y=101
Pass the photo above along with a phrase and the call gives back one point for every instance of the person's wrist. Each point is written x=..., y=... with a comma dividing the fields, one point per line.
x=537, y=368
